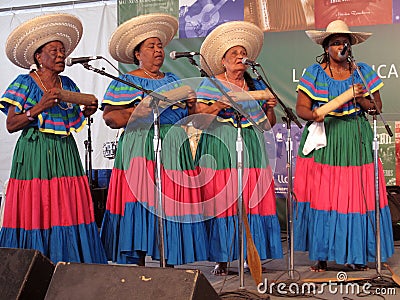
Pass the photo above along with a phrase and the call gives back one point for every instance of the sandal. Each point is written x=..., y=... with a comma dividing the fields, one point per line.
x=220, y=269
x=357, y=267
x=320, y=266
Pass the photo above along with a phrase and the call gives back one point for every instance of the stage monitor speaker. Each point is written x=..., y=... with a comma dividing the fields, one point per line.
x=24, y=274
x=97, y=282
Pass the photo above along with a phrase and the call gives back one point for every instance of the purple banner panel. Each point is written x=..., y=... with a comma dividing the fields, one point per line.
x=197, y=18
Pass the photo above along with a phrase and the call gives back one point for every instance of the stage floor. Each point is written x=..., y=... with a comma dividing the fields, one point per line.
x=375, y=287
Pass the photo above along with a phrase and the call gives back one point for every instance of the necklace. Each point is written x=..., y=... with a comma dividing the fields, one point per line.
x=151, y=76
x=244, y=81
x=41, y=82
x=339, y=72
x=69, y=105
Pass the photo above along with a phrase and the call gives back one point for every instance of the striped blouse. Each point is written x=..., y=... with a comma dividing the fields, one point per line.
x=119, y=93
x=321, y=88
x=207, y=93
x=62, y=119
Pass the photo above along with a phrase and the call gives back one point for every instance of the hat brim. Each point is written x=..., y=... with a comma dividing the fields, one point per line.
x=134, y=31
x=226, y=36
x=24, y=40
x=319, y=36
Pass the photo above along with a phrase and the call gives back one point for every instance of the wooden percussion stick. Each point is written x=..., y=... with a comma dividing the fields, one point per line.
x=77, y=98
x=177, y=94
x=252, y=95
x=335, y=103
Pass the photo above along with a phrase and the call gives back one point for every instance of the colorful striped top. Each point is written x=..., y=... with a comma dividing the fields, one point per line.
x=62, y=119
x=119, y=93
x=207, y=93
x=321, y=88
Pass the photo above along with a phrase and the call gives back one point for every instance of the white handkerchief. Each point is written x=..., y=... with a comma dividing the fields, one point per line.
x=316, y=138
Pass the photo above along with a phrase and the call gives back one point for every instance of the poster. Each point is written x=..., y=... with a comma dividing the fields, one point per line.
x=278, y=155
x=131, y=8
x=387, y=152
x=396, y=11
x=353, y=12
x=197, y=18
x=267, y=14
x=397, y=146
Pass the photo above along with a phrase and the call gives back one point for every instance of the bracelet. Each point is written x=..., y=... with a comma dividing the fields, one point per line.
x=28, y=114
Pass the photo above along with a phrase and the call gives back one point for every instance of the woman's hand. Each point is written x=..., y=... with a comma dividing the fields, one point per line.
x=358, y=90
x=49, y=99
x=271, y=103
x=191, y=102
x=366, y=103
x=316, y=117
x=89, y=110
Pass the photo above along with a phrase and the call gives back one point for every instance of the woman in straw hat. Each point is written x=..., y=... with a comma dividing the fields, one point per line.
x=334, y=184
x=130, y=225
x=49, y=207
x=223, y=50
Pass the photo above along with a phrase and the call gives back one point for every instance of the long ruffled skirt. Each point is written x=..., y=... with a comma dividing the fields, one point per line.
x=334, y=218
x=217, y=162
x=130, y=224
x=48, y=206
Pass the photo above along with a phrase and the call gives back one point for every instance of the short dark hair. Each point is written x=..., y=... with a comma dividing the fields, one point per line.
x=38, y=50
x=137, y=49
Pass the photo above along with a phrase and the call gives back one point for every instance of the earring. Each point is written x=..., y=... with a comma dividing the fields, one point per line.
x=41, y=65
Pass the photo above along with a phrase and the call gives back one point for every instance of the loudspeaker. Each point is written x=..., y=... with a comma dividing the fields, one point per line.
x=97, y=282
x=24, y=274
x=393, y=194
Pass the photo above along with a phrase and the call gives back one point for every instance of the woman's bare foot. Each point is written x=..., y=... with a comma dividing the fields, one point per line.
x=220, y=269
x=320, y=266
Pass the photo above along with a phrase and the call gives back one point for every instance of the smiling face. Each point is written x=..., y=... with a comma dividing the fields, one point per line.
x=232, y=59
x=51, y=56
x=151, y=53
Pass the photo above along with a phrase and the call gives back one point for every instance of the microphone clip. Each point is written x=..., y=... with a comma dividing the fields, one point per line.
x=249, y=62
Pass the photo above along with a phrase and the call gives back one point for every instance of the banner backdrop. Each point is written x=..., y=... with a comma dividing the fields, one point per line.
x=287, y=51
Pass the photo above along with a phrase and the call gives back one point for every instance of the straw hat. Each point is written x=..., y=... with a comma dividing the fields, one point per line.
x=29, y=36
x=226, y=36
x=134, y=31
x=337, y=27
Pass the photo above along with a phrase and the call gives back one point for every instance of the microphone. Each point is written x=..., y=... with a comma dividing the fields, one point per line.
x=174, y=55
x=249, y=62
x=69, y=61
x=344, y=50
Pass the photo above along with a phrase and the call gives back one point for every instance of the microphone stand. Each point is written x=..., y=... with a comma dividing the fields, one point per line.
x=156, y=98
x=239, y=113
x=289, y=117
x=375, y=148
x=88, y=153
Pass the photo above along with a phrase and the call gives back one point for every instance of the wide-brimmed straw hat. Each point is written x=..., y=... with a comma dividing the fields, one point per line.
x=337, y=27
x=24, y=40
x=134, y=31
x=226, y=36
